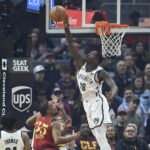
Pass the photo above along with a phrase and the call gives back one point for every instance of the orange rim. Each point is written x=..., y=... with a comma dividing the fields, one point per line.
x=104, y=24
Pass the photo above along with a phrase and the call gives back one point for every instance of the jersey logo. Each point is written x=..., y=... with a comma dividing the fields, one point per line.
x=40, y=130
x=96, y=120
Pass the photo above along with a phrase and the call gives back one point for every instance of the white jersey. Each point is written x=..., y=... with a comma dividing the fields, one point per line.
x=88, y=84
x=94, y=102
x=11, y=141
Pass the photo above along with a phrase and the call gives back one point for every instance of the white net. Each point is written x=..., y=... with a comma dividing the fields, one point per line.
x=111, y=39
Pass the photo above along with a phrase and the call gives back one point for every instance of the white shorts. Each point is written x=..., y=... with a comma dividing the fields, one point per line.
x=97, y=111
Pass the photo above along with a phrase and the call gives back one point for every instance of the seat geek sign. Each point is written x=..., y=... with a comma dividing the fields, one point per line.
x=20, y=66
x=16, y=84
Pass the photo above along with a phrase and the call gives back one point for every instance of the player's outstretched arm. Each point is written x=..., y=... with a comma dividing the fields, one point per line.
x=103, y=75
x=73, y=50
x=58, y=139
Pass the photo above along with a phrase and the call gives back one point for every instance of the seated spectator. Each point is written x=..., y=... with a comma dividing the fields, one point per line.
x=42, y=46
x=34, y=44
x=132, y=70
x=121, y=121
x=51, y=73
x=140, y=55
x=57, y=92
x=41, y=89
x=130, y=140
x=111, y=136
x=126, y=97
x=66, y=82
x=134, y=117
x=121, y=78
x=70, y=91
x=86, y=141
x=147, y=76
x=138, y=87
x=61, y=51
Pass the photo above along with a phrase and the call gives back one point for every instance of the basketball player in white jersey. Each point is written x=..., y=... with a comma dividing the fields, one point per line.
x=11, y=139
x=90, y=77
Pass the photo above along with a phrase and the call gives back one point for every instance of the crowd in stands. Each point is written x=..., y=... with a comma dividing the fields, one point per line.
x=54, y=73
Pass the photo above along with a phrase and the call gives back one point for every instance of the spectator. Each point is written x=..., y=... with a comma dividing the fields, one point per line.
x=67, y=84
x=57, y=92
x=11, y=138
x=140, y=55
x=130, y=140
x=51, y=73
x=71, y=94
x=121, y=121
x=41, y=89
x=134, y=16
x=132, y=70
x=111, y=136
x=60, y=51
x=86, y=141
x=42, y=47
x=138, y=87
x=121, y=78
x=34, y=44
x=127, y=94
x=147, y=76
x=99, y=15
x=134, y=117
x=112, y=112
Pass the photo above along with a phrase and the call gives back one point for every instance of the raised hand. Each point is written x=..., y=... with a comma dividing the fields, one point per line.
x=55, y=99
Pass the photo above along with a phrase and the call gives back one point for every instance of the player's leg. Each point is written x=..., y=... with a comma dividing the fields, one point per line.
x=100, y=135
x=100, y=117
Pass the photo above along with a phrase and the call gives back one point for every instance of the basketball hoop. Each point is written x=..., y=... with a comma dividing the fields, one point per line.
x=111, y=36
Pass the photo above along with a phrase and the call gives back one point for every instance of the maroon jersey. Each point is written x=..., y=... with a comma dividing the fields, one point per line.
x=43, y=139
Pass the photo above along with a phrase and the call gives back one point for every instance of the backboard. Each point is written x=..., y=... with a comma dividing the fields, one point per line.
x=83, y=13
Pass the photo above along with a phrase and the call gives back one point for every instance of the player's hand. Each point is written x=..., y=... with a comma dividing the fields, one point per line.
x=54, y=99
x=75, y=135
x=109, y=96
x=66, y=21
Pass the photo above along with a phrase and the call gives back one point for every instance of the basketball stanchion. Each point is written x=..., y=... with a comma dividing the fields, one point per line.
x=111, y=36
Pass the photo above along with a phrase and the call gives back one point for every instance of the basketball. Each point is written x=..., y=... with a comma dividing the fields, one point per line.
x=57, y=13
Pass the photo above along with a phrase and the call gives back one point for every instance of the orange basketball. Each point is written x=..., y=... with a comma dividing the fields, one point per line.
x=57, y=13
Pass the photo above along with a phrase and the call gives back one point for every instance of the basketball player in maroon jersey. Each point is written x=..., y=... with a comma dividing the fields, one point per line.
x=47, y=133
